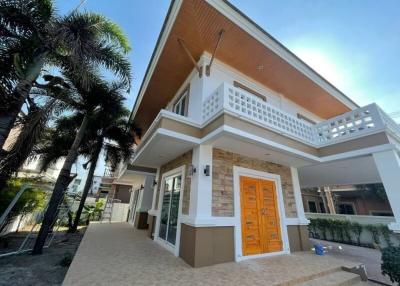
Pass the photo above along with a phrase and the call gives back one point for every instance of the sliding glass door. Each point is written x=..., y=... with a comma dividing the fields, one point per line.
x=170, y=209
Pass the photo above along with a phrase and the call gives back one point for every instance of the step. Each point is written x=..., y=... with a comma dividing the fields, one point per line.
x=339, y=278
x=366, y=283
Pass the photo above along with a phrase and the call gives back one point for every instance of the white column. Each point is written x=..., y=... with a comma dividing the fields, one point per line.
x=201, y=185
x=388, y=164
x=297, y=196
x=146, y=199
x=153, y=211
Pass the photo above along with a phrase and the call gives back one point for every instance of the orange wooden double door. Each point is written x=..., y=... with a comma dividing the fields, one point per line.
x=261, y=232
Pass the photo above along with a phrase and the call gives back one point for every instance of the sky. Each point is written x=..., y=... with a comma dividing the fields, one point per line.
x=354, y=44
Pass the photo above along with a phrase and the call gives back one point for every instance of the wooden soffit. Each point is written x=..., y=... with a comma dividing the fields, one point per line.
x=199, y=24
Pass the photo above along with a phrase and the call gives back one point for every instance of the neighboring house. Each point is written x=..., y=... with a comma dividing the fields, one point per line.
x=32, y=169
x=75, y=185
x=234, y=126
x=94, y=189
x=351, y=200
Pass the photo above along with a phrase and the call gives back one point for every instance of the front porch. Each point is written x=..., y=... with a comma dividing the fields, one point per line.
x=117, y=254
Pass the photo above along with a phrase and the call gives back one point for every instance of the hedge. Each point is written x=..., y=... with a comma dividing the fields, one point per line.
x=344, y=231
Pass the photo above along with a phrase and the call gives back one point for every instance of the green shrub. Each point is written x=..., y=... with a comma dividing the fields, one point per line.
x=347, y=231
x=322, y=225
x=32, y=199
x=356, y=229
x=66, y=260
x=374, y=229
x=391, y=263
x=312, y=228
x=386, y=234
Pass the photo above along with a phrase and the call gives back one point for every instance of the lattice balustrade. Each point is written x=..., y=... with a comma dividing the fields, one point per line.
x=254, y=108
x=349, y=124
x=212, y=104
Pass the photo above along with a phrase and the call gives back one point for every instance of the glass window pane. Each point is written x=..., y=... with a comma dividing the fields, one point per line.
x=165, y=208
x=174, y=210
x=182, y=104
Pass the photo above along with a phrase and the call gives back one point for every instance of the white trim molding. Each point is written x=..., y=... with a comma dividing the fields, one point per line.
x=237, y=173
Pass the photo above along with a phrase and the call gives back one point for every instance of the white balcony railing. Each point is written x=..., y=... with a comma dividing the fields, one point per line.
x=359, y=122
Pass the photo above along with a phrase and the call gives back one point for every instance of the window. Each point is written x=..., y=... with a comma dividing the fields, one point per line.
x=302, y=117
x=322, y=208
x=312, y=207
x=346, y=209
x=181, y=106
x=249, y=90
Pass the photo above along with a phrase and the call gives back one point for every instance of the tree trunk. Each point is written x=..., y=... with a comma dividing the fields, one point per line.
x=88, y=184
x=60, y=187
x=20, y=94
x=19, y=222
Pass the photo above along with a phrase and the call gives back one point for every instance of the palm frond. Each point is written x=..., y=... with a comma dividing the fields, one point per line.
x=32, y=127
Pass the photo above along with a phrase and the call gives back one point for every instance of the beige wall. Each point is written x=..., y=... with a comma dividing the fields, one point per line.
x=222, y=194
x=185, y=159
x=298, y=238
x=122, y=193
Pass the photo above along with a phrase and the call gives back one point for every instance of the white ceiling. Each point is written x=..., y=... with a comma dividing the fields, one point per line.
x=251, y=149
x=360, y=170
x=162, y=149
x=131, y=178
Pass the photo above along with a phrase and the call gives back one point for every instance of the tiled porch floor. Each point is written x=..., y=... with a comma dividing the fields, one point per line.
x=116, y=254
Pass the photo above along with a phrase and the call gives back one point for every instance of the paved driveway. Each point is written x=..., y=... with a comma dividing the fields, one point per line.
x=116, y=254
x=370, y=257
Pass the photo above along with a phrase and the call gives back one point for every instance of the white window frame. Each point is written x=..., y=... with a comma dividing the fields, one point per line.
x=178, y=106
x=174, y=249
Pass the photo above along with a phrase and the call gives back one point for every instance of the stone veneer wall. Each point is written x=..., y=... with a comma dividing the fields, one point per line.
x=185, y=159
x=222, y=181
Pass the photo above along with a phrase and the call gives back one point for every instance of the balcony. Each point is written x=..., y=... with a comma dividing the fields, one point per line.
x=357, y=123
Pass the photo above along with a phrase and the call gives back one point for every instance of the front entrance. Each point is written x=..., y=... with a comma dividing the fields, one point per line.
x=170, y=209
x=261, y=232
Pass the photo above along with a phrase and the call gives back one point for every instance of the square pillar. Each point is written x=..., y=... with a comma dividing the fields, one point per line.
x=201, y=185
x=153, y=210
x=388, y=165
x=297, y=196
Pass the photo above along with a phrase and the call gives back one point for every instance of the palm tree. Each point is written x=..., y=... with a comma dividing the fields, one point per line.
x=32, y=35
x=33, y=124
x=114, y=130
x=108, y=132
x=96, y=101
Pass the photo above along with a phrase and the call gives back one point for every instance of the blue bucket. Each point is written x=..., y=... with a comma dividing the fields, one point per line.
x=319, y=249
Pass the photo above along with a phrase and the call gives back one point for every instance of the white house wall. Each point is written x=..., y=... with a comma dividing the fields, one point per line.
x=202, y=87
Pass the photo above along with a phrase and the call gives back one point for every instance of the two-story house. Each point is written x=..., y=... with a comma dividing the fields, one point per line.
x=229, y=116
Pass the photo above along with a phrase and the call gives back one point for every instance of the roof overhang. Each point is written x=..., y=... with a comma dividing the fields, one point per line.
x=245, y=47
x=134, y=175
x=352, y=171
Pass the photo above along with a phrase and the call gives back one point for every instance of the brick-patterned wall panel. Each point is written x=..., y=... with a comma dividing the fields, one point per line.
x=185, y=159
x=222, y=176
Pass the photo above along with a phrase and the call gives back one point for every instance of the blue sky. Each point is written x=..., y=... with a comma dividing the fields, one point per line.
x=355, y=44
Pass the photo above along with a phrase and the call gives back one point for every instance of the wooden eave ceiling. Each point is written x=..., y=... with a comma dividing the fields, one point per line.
x=198, y=24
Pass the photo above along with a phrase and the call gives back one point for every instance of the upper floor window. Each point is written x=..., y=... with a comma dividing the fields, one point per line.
x=181, y=105
x=302, y=117
x=249, y=90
